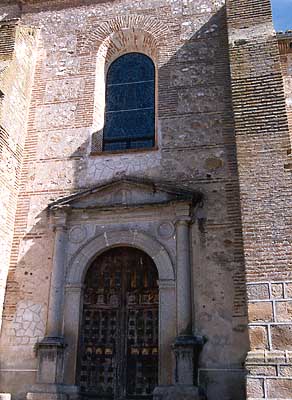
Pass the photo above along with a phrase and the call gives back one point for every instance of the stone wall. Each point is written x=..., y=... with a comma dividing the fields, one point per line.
x=17, y=58
x=269, y=362
x=195, y=148
x=263, y=154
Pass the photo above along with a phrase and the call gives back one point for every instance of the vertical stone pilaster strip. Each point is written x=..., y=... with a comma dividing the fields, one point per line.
x=72, y=314
x=55, y=312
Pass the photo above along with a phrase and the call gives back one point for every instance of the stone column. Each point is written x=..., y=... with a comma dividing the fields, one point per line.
x=186, y=346
x=55, y=312
x=51, y=348
x=167, y=323
x=183, y=283
x=72, y=311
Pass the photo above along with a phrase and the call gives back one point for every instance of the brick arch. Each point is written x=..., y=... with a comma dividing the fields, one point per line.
x=82, y=259
x=153, y=26
x=128, y=41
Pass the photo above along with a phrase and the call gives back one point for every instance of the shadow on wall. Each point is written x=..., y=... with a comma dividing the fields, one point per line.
x=196, y=149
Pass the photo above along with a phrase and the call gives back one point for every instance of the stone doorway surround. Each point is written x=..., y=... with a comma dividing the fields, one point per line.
x=150, y=216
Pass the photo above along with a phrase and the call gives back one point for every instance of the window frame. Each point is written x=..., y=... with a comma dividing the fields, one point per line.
x=98, y=136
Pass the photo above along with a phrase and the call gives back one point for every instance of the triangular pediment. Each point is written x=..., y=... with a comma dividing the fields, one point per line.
x=126, y=192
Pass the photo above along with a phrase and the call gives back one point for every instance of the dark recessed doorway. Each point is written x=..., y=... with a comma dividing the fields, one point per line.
x=118, y=345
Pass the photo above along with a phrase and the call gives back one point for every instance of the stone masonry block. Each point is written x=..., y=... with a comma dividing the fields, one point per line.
x=284, y=311
x=255, y=357
x=263, y=370
x=275, y=357
x=260, y=312
x=258, y=337
x=277, y=290
x=258, y=292
x=285, y=370
x=282, y=337
x=289, y=357
x=255, y=388
x=289, y=290
x=279, y=388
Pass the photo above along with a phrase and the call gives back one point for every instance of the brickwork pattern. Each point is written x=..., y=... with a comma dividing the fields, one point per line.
x=256, y=75
x=17, y=45
x=263, y=148
x=285, y=48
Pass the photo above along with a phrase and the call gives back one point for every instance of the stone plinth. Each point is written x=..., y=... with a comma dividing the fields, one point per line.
x=186, y=350
x=5, y=396
x=177, y=392
x=53, y=392
x=50, y=360
x=46, y=396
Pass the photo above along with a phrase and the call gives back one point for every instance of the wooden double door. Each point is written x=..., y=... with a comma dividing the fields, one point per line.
x=118, y=345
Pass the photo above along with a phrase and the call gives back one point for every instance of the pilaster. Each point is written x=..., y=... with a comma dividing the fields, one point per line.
x=50, y=351
x=186, y=346
x=183, y=274
x=55, y=312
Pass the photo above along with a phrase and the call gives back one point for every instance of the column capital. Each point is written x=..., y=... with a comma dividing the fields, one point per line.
x=183, y=265
x=183, y=213
x=59, y=216
x=183, y=220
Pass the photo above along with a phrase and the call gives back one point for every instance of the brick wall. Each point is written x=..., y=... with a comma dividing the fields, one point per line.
x=16, y=70
x=285, y=49
x=263, y=149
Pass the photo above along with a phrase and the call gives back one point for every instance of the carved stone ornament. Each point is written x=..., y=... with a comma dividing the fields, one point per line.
x=122, y=196
x=166, y=230
x=77, y=234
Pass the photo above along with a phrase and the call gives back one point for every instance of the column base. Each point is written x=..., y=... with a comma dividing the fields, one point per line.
x=50, y=352
x=186, y=349
x=177, y=392
x=5, y=396
x=46, y=396
x=53, y=392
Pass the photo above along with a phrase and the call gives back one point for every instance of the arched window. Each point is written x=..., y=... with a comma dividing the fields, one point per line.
x=130, y=104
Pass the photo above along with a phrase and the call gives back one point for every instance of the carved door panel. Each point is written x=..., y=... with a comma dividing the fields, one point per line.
x=118, y=350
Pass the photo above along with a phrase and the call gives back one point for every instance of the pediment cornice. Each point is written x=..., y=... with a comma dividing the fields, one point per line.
x=126, y=193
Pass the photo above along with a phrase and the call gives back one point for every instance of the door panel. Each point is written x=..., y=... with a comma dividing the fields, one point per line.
x=118, y=350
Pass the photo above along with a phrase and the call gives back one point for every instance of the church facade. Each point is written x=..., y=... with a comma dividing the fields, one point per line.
x=145, y=200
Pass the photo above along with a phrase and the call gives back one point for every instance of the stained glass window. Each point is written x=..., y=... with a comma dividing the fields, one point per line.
x=130, y=104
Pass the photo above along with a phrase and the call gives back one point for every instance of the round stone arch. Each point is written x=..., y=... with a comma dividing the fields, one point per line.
x=76, y=271
x=81, y=260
